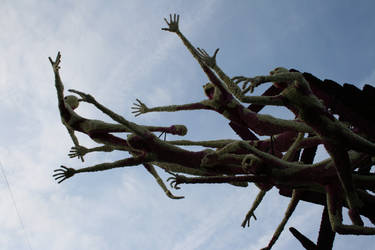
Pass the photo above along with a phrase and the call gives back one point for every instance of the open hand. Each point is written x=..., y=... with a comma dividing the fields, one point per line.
x=210, y=61
x=254, y=82
x=172, y=24
x=84, y=97
x=78, y=151
x=139, y=108
x=63, y=173
x=56, y=64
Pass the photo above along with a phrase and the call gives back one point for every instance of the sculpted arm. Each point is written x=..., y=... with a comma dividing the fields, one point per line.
x=64, y=173
x=75, y=141
x=202, y=57
x=141, y=108
x=173, y=27
x=58, y=83
x=80, y=151
x=64, y=112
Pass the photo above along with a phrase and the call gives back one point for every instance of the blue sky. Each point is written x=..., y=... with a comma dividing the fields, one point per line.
x=116, y=51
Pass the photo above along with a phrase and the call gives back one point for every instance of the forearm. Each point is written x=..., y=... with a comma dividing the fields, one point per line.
x=233, y=88
x=210, y=144
x=59, y=86
x=173, y=108
x=189, y=46
x=73, y=136
x=137, y=129
x=132, y=161
x=105, y=148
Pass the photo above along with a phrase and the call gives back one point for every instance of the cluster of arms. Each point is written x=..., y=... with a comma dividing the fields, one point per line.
x=284, y=161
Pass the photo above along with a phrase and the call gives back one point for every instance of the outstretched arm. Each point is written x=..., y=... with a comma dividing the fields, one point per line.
x=141, y=108
x=80, y=151
x=64, y=173
x=135, y=128
x=279, y=75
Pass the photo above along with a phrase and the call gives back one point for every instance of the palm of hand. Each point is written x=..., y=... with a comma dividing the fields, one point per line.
x=173, y=23
x=139, y=108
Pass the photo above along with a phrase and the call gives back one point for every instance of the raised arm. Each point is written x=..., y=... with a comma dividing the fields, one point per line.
x=173, y=27
x=64, y=112
x=141, y=108
x=210, y=61
x=58, y=83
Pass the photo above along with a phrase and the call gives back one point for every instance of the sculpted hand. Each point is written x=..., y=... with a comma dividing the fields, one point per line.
x=63, y=173
x=206, y=58
x=172, y=24
x=78, y=151
x=56, y=64
x=139, y=108
x=254, y=82
x=174, y=180
x=84, y=97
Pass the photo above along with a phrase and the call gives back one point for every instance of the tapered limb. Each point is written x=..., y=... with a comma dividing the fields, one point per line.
x=305, y=242
x=289, y=211
x=326, y=235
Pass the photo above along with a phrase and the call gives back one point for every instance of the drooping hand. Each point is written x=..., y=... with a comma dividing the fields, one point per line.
x=56, y=64
x=139, y=108
x=63, y=173
x=78, y=151
x=210, y=61
x=254, y=82
x=172, y=24
x=84, y=97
